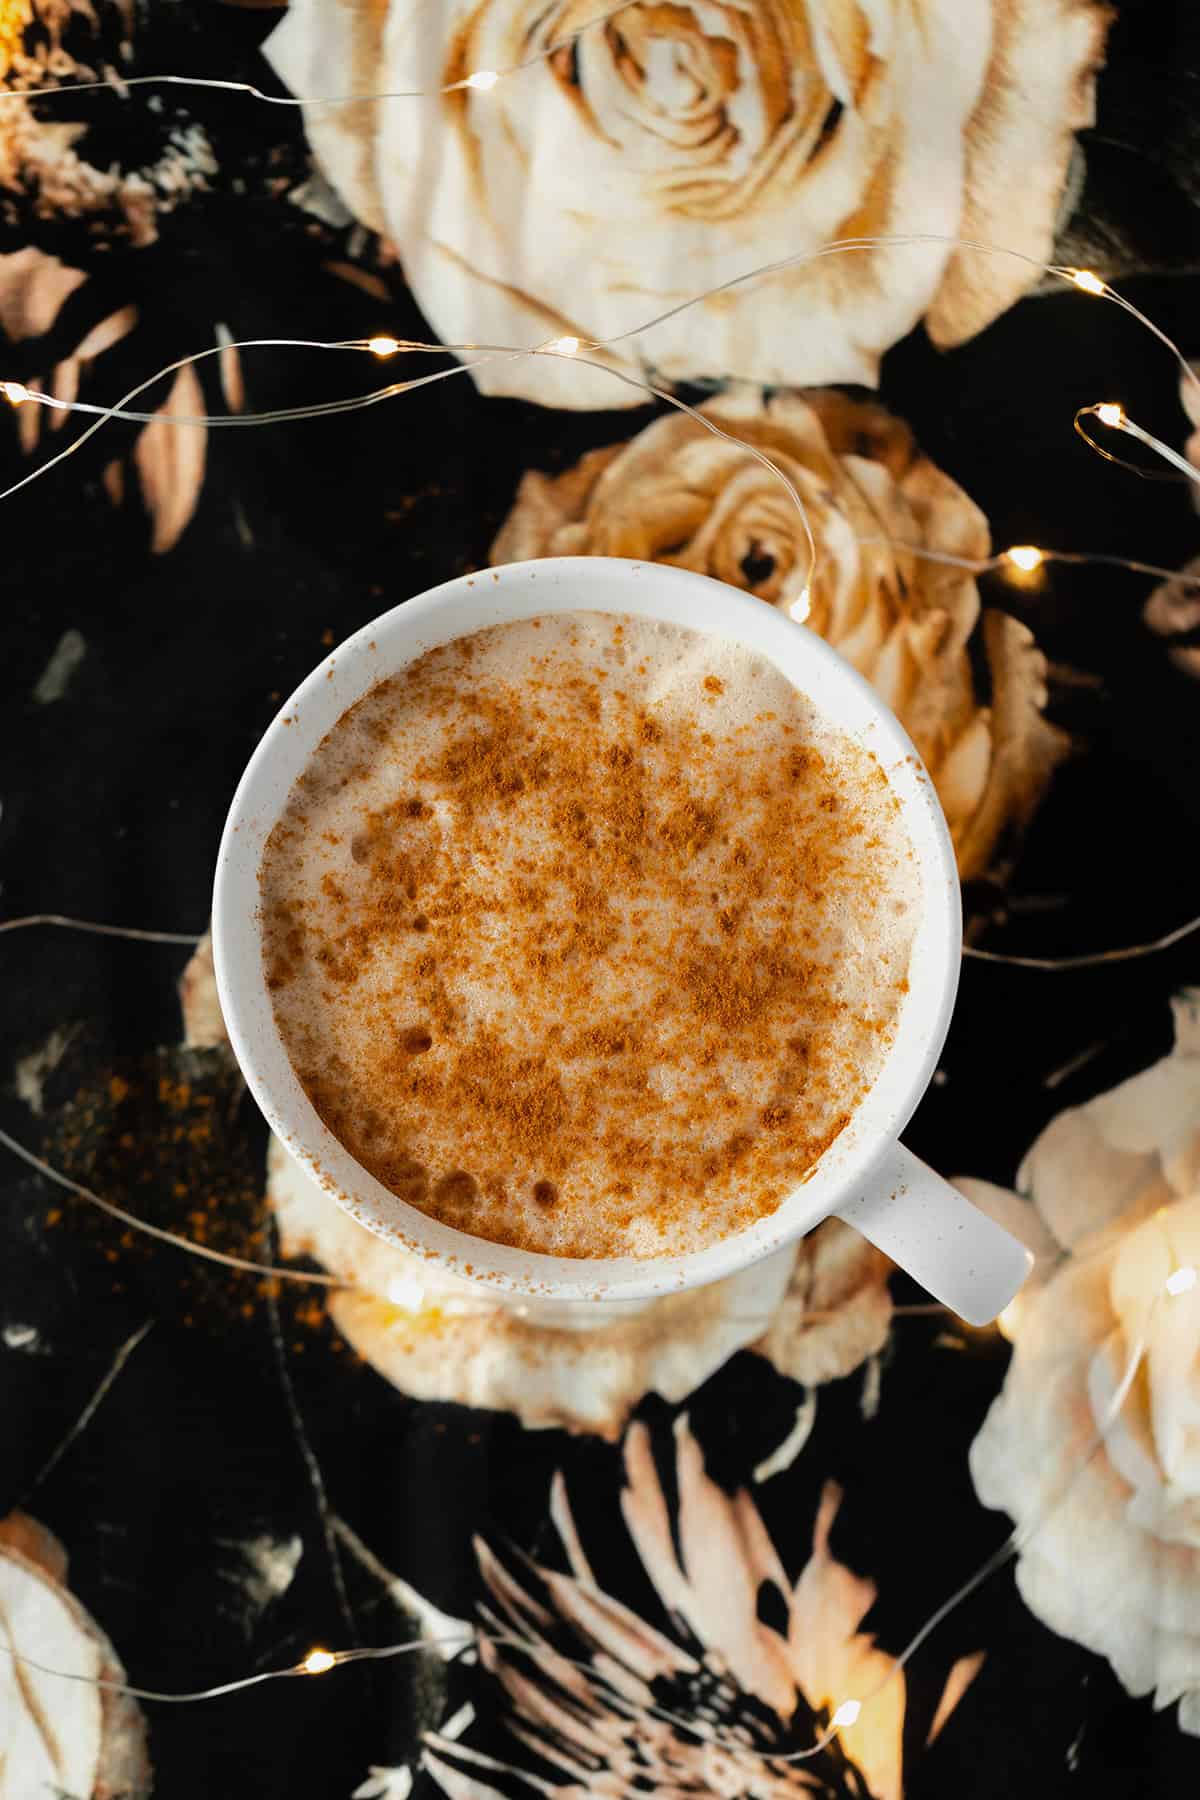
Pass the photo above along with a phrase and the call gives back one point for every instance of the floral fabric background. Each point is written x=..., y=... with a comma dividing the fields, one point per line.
x=659, y=1561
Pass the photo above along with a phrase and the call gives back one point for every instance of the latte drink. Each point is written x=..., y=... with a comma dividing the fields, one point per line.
x=587, y=934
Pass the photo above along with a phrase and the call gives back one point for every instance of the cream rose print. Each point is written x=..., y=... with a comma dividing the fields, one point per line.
x=1109, y=1201
x=56, y=1736
x=817, y=1310
x=674, y=147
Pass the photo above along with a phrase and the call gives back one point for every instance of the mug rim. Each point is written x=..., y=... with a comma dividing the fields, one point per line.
x=456, y=608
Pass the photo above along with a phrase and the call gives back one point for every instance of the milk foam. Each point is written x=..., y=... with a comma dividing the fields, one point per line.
x=550, y=1027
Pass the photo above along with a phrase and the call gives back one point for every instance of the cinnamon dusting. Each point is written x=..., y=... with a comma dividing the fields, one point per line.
x=568, y=972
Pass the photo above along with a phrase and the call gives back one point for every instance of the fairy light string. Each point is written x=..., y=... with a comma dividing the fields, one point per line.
x=91, y=928
x=1020, y=1539
x=406, y=1292
x=1023, y=558
x=17, y=394
x=1114, y=416
x=317, y=1662
x=158, y=1232
x=1089, y=960
x=1183, y=1278
x=479, y=80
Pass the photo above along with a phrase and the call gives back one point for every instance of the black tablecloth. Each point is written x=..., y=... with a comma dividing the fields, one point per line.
x=241, y=1437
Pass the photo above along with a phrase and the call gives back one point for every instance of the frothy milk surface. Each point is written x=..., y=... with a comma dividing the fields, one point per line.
x=588, y=934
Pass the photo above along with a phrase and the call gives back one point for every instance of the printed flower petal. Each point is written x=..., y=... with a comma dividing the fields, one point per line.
x=1107, y=1490
x=170, y=460
x=724, y=1713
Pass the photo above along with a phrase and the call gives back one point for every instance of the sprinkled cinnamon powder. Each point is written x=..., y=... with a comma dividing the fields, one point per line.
x=587, y=934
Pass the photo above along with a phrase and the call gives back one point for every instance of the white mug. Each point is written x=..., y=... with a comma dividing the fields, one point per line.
x=866, y=1177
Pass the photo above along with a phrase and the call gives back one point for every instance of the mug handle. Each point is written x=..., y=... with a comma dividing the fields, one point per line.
x=964, y=1258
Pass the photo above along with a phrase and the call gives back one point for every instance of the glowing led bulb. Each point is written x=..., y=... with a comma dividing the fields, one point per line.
x=563, y=346
x=383, y=346
x=846, y=1714
x=1182, y=1280
x=802, y=605
x=482, y=78
x=317, y=1661
x=1025, y=556
x=1085, y=279
x=1110, y=413
x=13, y=392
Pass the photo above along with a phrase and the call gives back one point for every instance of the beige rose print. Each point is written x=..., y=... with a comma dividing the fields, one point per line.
x=677, y=494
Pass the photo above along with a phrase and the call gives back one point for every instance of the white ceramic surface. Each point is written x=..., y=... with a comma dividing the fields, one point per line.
x=865, y=1176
